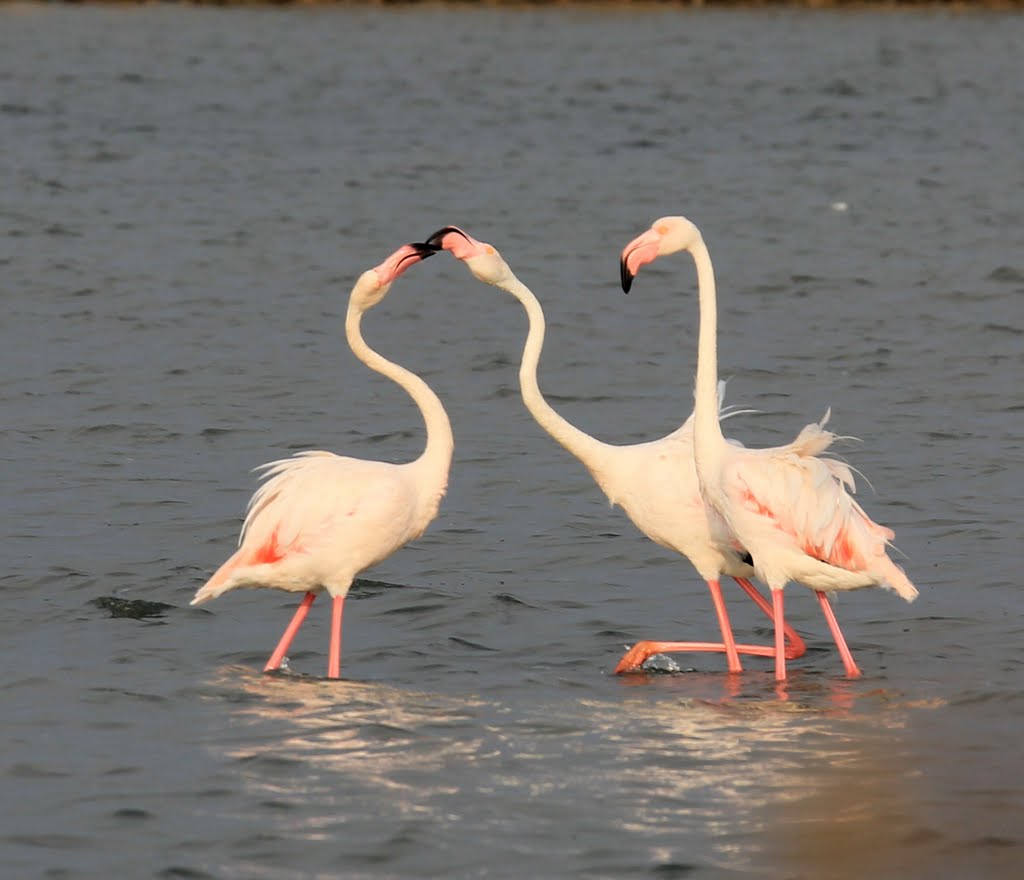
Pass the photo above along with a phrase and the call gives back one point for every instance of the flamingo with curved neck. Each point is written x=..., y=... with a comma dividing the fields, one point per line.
x=320, y=519
x=654, y=482
x=790, y=508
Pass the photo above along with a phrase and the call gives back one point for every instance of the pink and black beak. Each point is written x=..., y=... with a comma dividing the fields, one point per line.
x=458, y=243
x=625, y=275
x=420, y=250
x=437, y=239
x=642, y=249
x=406, y=256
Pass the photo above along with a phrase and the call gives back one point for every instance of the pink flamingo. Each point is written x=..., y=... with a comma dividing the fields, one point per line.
x=655, y=483
x=789, y=508
x=320, y=519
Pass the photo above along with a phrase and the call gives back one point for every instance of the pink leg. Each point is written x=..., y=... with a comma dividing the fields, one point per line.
x=732, y=657
x=634, y=658
x=277, y=658
x=851, y=668
x=780, y=635
x=797, y=646
x=334, y=657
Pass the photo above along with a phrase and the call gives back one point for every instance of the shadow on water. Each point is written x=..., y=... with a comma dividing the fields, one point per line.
x=134, y=609
x=688, y=771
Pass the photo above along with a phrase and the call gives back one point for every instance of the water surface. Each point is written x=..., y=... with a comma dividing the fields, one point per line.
x=190, y=194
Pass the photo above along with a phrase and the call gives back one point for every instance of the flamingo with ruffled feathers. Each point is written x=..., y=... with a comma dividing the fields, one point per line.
x=655, y=483
x=790, y=508
x=320, y=519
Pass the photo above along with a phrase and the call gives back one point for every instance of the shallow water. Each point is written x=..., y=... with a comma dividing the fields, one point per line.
x=190, y=194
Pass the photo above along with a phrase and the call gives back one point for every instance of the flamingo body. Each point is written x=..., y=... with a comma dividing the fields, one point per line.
x=655, y=483
x=788, y=506
x=319, y=519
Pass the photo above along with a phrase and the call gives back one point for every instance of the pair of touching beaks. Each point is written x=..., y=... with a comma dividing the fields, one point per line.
x=436, y=242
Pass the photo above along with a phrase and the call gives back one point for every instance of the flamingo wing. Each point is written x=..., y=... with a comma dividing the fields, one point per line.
x=318, y=519
x=316, y=498
x=805, y=503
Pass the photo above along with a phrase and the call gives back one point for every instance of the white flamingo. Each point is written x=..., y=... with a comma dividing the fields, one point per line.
x=320, y=518
x=655, y=482
x=791, y=509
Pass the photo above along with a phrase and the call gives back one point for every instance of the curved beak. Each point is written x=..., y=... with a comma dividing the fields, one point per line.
x=458, y=243
x=625, y=275
x=414, y=252
x=403, y=258
x=437, y=239
x=642, y=249
x=423, y=249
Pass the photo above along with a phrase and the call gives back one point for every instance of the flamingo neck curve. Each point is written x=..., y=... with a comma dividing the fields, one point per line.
x=440, y=445
x=586, y=448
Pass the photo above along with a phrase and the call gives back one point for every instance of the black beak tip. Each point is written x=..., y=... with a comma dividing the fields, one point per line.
x=424, y=249
x=626, y=276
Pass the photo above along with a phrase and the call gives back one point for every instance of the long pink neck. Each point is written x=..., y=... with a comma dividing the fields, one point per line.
x=440, y=446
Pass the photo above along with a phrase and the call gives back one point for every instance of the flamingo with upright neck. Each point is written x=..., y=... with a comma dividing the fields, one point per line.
x=789, y=508
x=320, y=519
x=655, y=482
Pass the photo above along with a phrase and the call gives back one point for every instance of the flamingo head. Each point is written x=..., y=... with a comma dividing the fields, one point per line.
x=482, y=259
x=374, y=284
x=668, y=235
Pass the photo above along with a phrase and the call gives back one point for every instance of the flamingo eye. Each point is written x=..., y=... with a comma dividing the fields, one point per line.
x=491, y=251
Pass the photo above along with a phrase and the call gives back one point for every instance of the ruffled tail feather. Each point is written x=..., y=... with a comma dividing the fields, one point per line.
x=896, y=579
x=220, y=582
x=814, y=439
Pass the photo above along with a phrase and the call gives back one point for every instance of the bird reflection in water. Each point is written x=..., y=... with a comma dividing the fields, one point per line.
x=791, y=787
x=823, y=696
x=733, y=780
x=371, y=734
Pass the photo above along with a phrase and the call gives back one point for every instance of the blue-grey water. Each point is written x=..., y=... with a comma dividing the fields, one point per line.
x=188, y=196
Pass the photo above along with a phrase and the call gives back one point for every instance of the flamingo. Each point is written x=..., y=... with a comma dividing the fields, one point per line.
x=319, y=519
x=791, y=509
x=655, y=483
